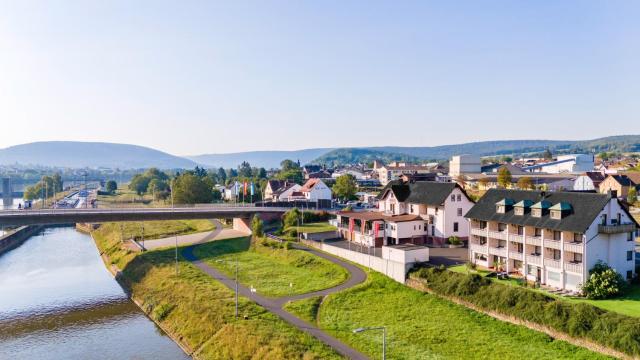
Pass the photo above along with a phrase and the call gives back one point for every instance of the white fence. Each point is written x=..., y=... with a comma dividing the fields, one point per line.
x=393, y=269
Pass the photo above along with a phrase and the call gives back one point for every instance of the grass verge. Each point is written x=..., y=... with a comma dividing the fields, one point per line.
x=271, y=271
x=305, y=309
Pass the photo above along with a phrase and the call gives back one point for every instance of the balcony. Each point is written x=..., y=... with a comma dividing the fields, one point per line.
x=573, y=267
x=534, y=240
x=482, y=249
x=515, y=255
x=498, y=251
x=333, y=222
x=534, y=259
x=574, y=247
x=479, y=232
x=616, y=229
x=552, y=244
x=516, y=238
x=502, y=235
x=552, y=263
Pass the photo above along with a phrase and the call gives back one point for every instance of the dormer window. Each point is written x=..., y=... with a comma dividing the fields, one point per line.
x=522, y=207
x=500, y=209
x=504, y=205
x=560, y=210
x=556, y=214
x=540, y=208
x=536, y=212
x=519, y=210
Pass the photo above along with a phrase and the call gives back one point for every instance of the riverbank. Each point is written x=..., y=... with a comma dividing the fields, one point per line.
x=198, y=312
x=17, y=237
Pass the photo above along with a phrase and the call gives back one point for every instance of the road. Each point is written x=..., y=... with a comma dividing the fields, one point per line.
x=357, y=276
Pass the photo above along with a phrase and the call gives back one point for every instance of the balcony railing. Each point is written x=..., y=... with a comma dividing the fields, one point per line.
x=552, y=263
x=552, y=244
x=516, y=255
x=534, y=259
x=573, y=267
x=478, y=248
x=616, y=229
x=498, y=251
x=534, y=240
x=498, y=235
x=479, y=232
x=574, y=247
x=516, y=238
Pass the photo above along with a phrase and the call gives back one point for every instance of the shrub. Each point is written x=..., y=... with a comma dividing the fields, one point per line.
x=454, y=240
x=161, y=312
x=257, y=226
x=603, y=282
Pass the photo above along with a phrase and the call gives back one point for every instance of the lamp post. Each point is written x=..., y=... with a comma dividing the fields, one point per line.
x=384, y=337
x=236, y=282
x=173, y=210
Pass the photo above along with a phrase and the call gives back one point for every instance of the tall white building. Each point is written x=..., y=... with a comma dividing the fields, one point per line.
x=464, y=164
x=554, y=238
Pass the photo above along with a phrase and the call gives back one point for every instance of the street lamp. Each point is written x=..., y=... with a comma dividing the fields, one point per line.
x=227, y=261
x=384, y=337
x=173, y=210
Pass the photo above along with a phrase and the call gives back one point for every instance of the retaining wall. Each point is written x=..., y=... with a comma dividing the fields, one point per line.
x=15, y=238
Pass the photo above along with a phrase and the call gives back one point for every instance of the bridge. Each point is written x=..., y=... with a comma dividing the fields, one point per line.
x=241, y=215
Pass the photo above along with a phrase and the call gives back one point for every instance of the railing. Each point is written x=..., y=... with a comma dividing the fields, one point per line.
x=498, y=251
x=534, y=240
x=333, y=222
x=574, y=247
x=573, y=267
x=552, y=263
x=534, y=259
x=498, y=235
x=552, y=244
x=515, y=255
x=479, y=232
x=478, y=248
x=616, y=229
x=516, y=238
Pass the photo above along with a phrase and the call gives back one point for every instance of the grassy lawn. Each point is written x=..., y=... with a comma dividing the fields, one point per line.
x=316, y=227
x=423, y=326
x=306, y=309
x=272, y=271
x=200, y=311
x=629, y=304
x=158, y=229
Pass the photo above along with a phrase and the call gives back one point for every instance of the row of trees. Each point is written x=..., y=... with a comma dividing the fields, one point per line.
x=48, y=186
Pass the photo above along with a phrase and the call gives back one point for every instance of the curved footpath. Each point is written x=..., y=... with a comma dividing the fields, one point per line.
x=356, y=276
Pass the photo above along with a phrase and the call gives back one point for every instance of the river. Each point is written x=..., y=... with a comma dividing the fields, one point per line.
x=58, y=301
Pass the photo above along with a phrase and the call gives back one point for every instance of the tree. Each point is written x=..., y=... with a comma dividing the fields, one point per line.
x=158, y=188
x=293, y=175
x=191, y=189
x=290, y=218
x=244, y=170
x=547, y=155
x=603, y=156
x=222, y=176
x=111, y=186
x=262, y=173
x=525, y=183
x=632, y=196
x=504, y=177
x=603, y=282
x=216, y=195
x=483, y=183
x=507, y=159
x=257, y=226
x=345, y=186
x=287, y=165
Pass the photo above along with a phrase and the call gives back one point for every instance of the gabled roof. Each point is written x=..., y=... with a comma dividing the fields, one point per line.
x=524, y=203
x=421, y=192
x=586, y=207
x=562, y=206
x=310, y=184
x=505, y=202
x=622, y=180
x=542, y=204
x=633, y=176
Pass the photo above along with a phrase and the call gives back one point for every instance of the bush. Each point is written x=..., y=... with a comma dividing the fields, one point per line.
x=454, y=240
x=161, y=312
x=581, y=320
x=603, y=283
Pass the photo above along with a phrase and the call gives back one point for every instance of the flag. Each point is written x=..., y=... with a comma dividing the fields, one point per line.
x=244, y=189
x=351, y=224
x=252, y=189
x=376, y=229
x=237, y=187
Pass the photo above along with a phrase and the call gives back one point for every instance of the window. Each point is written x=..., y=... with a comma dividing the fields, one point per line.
x=603, y=219
x=502, y=227
x=538, y=232
x=536, y=212
x=483, y=240
x=425, y=226
x=557, y=235
x=556, y=214
x=556, y=254
x=431, y=219
x=500, y=209
x=520, y=230
x=459, y=211
x=483, y=224
x=577, y=237
x=629, y=274
x=453, y=197
x=459, y=197
x=630, y=236
x=577, y=258
x=629, y=255
x=537, y=250
x=411, y=208
x=455, y=227
x=519, y=210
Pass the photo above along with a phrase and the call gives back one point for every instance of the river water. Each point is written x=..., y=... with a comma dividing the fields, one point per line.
x=58, y=301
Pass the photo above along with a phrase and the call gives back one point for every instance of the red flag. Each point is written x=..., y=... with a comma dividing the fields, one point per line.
x=376, y=229
x=245, y=188
x=351, y=224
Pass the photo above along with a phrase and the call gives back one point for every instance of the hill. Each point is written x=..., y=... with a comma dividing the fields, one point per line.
x=75, y=154
x=266, y=159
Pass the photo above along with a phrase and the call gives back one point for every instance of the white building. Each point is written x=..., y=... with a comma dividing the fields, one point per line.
x=394, y=170
x=314, y=190
x=588, y=181
x=422, y=212
x=575, y=163
x=554, y=238
x=464, y=164
x=280, y=190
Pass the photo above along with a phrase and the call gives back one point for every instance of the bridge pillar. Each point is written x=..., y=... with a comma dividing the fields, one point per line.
x=242, y=224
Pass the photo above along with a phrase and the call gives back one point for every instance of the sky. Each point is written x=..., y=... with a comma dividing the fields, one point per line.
x=194, y=77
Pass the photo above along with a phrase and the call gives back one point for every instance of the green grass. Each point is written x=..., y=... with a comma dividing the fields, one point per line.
x=200, y=311
x=423, y=326
x=315, y=227
x=157, y=229
x=629, y=304
x=305, y=309
x=272, y=271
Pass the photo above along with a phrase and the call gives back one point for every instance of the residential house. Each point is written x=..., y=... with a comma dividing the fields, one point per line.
x=393, y=171
x=620, y=184
x=314, y=190
x=280, y=190
x=589, y=181
x=421, y=212
x=554, y=238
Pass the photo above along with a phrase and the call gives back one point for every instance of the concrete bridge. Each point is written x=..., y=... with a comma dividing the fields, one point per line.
x=241, y=215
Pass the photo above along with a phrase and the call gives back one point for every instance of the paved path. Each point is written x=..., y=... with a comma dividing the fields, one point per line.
x=218, y=233
x=356, y=277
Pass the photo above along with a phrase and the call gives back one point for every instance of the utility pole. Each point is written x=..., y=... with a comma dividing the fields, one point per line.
x=173, y=210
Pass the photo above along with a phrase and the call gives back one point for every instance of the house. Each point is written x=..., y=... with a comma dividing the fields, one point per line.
x=620, y=184
x=421, y=212
x=554, y=238
x=357, y=173
x=588, y=181
x=393, y=171
x=314, y=190
x=280, y=190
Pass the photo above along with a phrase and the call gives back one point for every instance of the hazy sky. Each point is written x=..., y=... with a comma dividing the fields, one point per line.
x=194, y=77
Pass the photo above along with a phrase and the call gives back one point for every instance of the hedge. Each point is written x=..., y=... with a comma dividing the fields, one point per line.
x=580, y=320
